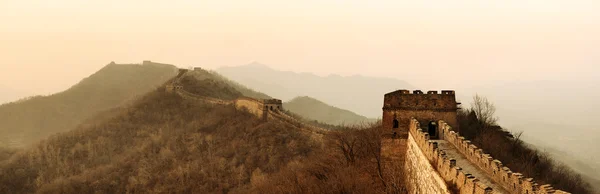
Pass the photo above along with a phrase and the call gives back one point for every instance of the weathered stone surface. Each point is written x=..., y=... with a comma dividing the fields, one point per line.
x=421, y=175
x=437, y=158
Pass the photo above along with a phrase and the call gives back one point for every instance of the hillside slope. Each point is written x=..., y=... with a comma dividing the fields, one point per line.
x=161, y=143
x=358, y=94
x=10, y=94
x=166, y=143
x=29, y=120
x=314, y=109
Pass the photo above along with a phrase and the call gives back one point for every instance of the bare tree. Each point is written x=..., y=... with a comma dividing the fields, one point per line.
x=371, y=140
x=484, y=110
x=346, y=142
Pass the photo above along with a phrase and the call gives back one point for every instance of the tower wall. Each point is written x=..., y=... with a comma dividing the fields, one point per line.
x=403, y=105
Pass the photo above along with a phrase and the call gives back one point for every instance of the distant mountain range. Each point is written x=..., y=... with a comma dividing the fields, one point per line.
x=314, y=109
x=359, y=94
x=305, y=106
x=31, y=119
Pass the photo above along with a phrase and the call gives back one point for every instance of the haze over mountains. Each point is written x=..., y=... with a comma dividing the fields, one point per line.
x=314, y=109
x=359, y=94
x=26, y=121
x=10, y=94
x=554, y=115
x=114, y=86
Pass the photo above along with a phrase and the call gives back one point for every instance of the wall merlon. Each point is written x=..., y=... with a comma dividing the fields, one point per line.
x=502, y=175
x=447, y=91
x=481, y=188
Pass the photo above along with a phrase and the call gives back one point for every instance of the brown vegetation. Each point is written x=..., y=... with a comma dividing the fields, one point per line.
x=163, y=143
x=478, y=124
x=351, y=162
x=314, y=109
x=209, y=87
x=114, y=85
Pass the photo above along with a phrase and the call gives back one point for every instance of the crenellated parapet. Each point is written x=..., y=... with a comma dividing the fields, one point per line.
x=512, y=182
x=401, y=105
x=446, y=166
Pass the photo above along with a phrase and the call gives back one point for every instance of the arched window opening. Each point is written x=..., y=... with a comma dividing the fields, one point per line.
x=396, y=123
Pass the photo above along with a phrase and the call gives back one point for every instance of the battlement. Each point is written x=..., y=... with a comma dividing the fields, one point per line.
x=404, y=92
x=403, y=99
x=272, y=101
x=401, y=105
x=272, y=104
x=445, y=166
x=511, y=181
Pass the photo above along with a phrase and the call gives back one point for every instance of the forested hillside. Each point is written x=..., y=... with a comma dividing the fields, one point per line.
x=164, y=143
x=114, y=85
x=314, y=109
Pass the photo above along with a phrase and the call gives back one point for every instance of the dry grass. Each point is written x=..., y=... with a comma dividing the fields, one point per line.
x=114, y=85
x=162, y=143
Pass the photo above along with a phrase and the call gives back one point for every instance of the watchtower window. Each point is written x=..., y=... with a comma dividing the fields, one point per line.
x=396, y=123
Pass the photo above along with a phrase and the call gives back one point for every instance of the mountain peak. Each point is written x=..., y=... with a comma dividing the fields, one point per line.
x=257, y=64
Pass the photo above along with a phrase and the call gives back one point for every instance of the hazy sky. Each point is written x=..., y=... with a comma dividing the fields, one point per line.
x=47, y=46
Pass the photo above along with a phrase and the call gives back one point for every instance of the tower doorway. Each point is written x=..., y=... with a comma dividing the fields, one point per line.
x=432, y=129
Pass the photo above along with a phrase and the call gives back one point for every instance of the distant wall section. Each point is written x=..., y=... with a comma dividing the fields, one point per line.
x=254, y=106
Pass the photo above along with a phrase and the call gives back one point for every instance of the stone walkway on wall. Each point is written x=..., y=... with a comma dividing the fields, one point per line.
x=467, y=166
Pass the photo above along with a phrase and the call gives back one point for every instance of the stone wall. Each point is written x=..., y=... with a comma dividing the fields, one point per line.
x=254, y=106
x=445, y=167
x=432, y=106
x=404, y=118
x=421, y=176
x=511, y=181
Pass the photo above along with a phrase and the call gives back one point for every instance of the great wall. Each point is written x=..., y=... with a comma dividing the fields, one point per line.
x=438, y=159
x=435, y=160
x=266, y=109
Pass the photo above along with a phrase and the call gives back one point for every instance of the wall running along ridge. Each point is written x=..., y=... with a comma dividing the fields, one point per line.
x=511, y=181
x=446, y=168
x=254, y=106
x=453, y=175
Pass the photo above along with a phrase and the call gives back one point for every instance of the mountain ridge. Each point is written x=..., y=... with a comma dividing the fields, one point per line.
x=113, y=85
x=313, y=109
x=338, y=91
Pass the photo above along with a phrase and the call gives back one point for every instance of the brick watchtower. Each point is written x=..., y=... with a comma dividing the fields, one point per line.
x=399, y=106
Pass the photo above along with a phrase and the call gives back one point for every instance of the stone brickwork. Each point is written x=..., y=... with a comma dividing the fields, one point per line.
x=511, y=181
x=445, y=167
x=421, y=176
x=402, y=105
x=273, y=104
x=437, y=159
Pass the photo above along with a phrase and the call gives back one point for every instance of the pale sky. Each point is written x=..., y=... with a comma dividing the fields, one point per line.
x=47, y=46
